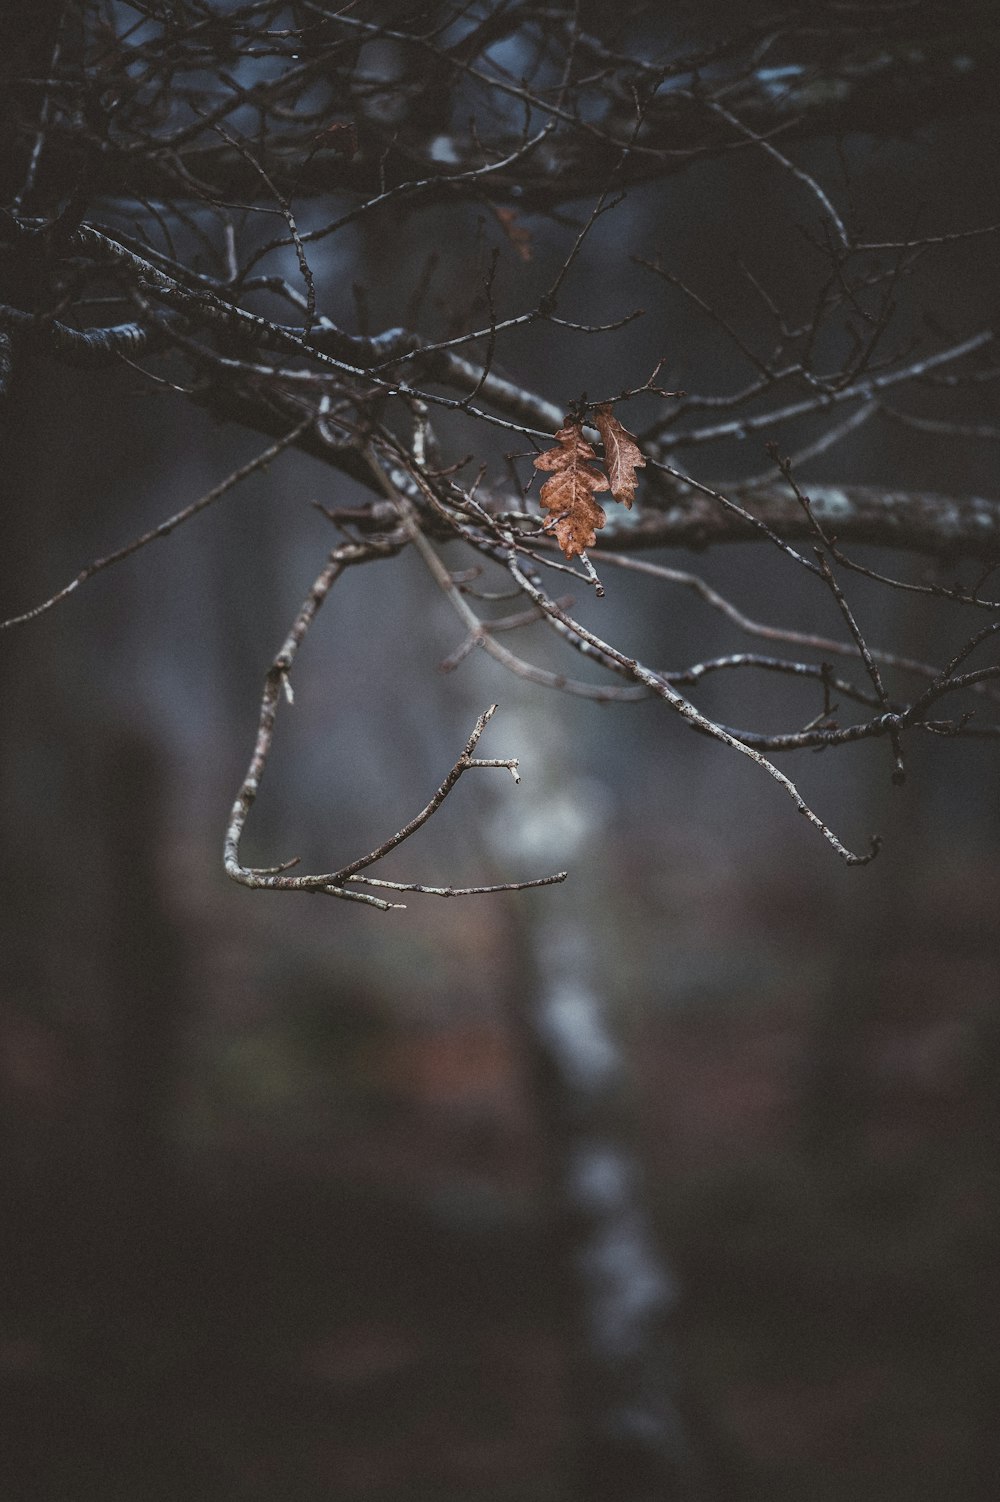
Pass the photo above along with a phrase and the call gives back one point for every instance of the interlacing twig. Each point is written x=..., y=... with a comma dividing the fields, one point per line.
x=134, y=236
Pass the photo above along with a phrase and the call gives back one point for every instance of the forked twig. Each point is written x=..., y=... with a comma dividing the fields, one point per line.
x=631, y=668
x=334, y=883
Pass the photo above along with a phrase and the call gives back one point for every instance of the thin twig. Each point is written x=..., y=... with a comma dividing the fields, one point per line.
x=164, y=528
x=334, y=883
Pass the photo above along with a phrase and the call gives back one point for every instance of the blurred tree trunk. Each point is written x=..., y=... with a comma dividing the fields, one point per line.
x=631, y=1440
x=145, y=1006
x=100, y=1011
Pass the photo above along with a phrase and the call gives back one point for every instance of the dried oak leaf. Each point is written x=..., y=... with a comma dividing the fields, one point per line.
x=341, y=136
x=517, y=233
x=622, y=454
x=569, y=494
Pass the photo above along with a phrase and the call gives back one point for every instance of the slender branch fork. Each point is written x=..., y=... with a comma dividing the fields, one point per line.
x=345, y=881
x=157, y=253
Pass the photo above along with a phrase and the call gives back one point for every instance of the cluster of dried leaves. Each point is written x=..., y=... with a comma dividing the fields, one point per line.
x=576, y=517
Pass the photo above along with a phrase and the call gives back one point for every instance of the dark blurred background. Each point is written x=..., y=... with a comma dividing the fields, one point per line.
x=274, y=1209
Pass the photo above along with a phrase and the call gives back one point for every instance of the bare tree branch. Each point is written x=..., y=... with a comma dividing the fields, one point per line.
x=337, y=883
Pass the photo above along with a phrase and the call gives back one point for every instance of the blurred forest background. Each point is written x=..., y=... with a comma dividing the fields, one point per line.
x=275, y=1213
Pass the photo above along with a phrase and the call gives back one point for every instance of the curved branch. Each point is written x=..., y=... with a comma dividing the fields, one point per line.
x=335, y=883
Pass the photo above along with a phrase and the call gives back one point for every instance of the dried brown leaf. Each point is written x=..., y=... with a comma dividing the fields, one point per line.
x=517, y=233
x=340, y=136
x=569, y=494
x=622, y=454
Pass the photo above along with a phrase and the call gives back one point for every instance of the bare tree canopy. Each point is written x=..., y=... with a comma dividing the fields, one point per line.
x=186, y=187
